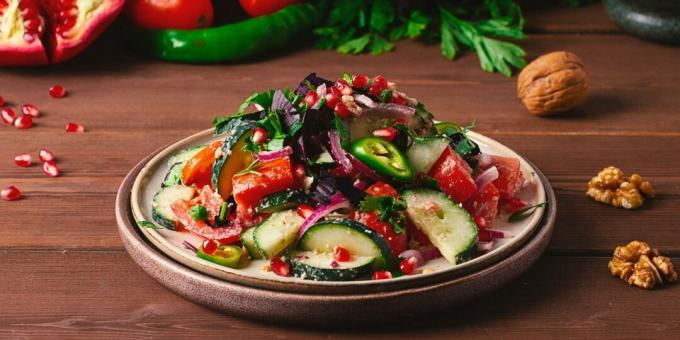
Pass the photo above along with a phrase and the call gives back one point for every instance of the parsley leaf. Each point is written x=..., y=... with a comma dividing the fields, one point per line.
x=388, y=208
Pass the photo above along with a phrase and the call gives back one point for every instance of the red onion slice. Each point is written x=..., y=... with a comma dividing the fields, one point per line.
x=337, y=201
x=364, y=100
x=487, y=176
x=269, y=155
x=338, y=153
x=429, y=252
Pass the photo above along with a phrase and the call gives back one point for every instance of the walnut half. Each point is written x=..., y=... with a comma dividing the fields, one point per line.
x=611, y=187
x=639, y=265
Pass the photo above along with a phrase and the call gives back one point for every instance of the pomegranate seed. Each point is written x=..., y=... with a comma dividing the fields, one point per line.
x=279, y=266
x=57, y=91
x=481, y=222
x=381, y=275
x=50, y=169
x=2, y=101
x=209, y=246
x=74, y=127
x=341, y=110
x=299, y=171
x=342, y=87
x=46, y=155
x=259, y=135
x=310, y=98
x=388, y=133
x=10, y=193
x=380, y=81
x=397, y=99
x=24, y=122
x=359, y=81
x=24, y=160
x=335, y=91
x=484, y=236
x=8, y=115
x=332, y=99
x=30, y=110
x=408, y=266
x=341, y=254
x=304, y=210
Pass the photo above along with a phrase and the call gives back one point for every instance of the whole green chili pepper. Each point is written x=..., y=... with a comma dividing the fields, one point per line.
x=235, y=41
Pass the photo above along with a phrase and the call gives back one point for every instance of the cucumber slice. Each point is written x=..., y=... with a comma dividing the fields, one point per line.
x=161, y=211
x=425, y=152
x=231, y=157
x=311, y=265
x=176, y=163
x=249, y=242
x=357, y=238
x=277, y=232
x=448, y=226
x=283, y=200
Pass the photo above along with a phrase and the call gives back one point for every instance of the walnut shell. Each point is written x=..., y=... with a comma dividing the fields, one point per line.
x=553, y=83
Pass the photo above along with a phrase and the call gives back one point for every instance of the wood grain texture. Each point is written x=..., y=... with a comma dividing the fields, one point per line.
x=561, y=296
x=132, y=105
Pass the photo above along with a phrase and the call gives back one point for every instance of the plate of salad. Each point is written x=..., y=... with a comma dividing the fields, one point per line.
x=337, y=185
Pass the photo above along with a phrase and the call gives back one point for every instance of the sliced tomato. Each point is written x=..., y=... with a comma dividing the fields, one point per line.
x=270, y=177
x=483, y=205
x=397, y=242
x=198, y=169
x=454, y=176
x=510, y=177
x=382, y=189
x=224, y=235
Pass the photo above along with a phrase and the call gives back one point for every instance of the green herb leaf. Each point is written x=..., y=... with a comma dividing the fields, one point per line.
x=251, y=168
x=388, y=208
x=263, y=99
x=355, y=46
x=380, y=45
x=198, y=212
x=524, y=213
x=382, y=15
x=343, y=131
x=386, y=96
x=147, y=225
x=347, y=77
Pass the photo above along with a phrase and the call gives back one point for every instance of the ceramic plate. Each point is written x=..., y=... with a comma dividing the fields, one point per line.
x=149, y=179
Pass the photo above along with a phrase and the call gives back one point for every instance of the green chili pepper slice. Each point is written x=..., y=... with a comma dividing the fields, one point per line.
x=383, y=157
x=230, y=42
x=228, y=256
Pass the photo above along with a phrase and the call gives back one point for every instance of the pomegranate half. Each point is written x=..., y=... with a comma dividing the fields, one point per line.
x=51, y=31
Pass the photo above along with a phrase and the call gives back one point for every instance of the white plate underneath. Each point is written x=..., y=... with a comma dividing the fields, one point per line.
x=170, y=242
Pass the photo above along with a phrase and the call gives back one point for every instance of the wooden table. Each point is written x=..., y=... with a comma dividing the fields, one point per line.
x=64, y=272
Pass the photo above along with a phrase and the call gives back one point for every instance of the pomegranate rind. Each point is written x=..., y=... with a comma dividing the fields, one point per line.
x=19, y=52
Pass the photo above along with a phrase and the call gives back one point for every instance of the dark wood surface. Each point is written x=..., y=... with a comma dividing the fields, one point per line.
x=64, y=271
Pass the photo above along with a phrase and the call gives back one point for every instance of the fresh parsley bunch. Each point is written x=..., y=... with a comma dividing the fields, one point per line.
x=360, y=26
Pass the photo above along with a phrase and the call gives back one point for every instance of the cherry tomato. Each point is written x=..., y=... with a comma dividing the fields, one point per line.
x=256, y=8
x=170, y=14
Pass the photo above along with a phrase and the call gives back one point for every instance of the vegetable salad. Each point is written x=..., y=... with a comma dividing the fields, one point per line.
x=338, y=180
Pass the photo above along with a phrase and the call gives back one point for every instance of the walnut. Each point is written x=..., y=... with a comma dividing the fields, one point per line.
x=610, y=187
x=639, y=265
x=553, y=83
